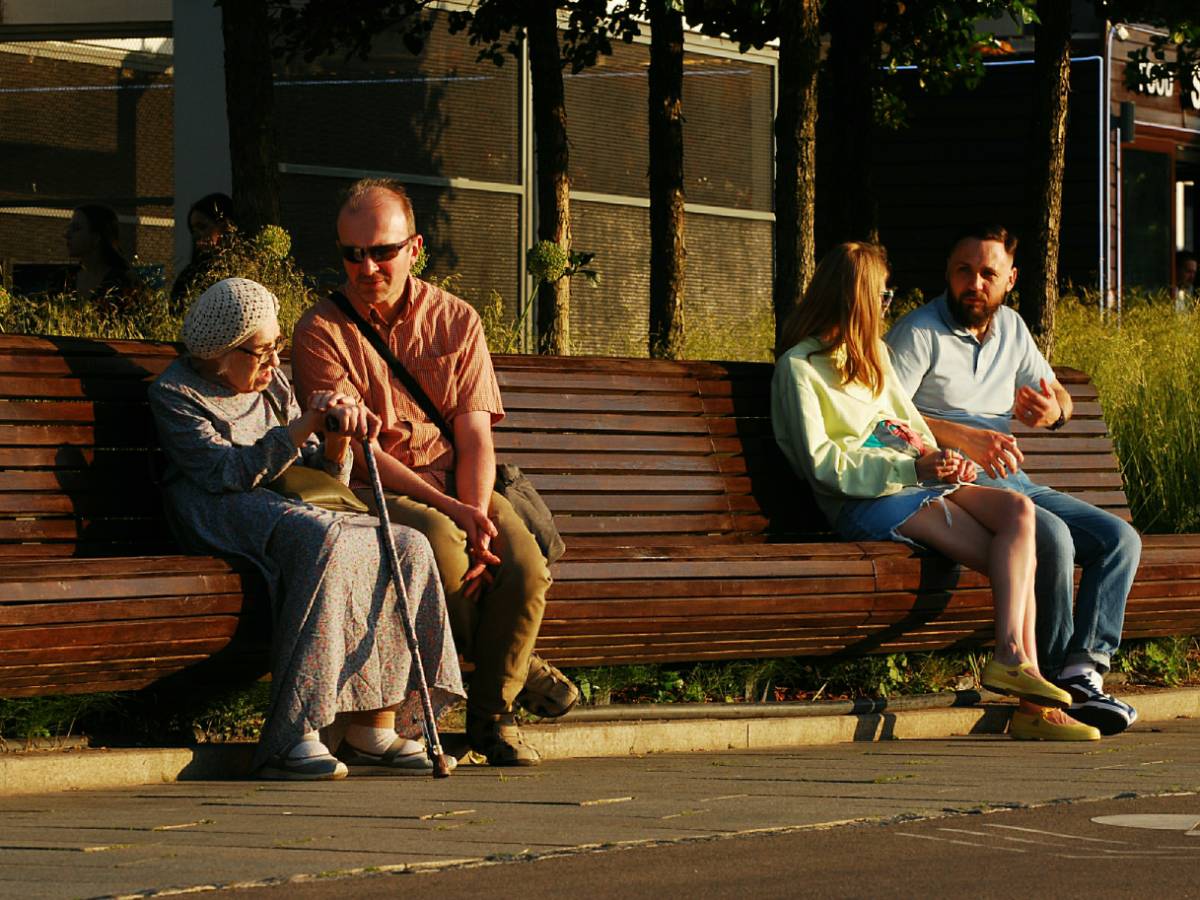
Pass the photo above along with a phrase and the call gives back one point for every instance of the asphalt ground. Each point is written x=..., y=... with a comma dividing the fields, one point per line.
x=340, y=837
x=1133, y=847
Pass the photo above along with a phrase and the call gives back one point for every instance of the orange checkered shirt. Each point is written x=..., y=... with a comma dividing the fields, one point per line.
x=439, y=339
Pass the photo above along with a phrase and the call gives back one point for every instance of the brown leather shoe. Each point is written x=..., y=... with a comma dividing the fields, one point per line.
x=499, y=739
x=548, y=692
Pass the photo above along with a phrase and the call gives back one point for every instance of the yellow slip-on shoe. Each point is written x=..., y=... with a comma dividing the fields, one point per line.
x=1019, y=681
x=1035, y=727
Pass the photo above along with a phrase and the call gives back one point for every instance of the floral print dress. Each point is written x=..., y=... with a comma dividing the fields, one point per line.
x=338, y=640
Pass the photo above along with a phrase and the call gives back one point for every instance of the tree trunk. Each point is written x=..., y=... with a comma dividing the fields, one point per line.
x=796, y=161
x=553, y=180
x=249, y=104
x=1052, y=78
x=853, y=63
x=667, y=252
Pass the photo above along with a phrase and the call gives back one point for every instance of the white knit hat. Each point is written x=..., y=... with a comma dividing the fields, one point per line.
x=225, y=315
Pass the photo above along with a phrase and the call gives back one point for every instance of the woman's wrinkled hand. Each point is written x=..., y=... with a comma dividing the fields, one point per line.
x=353, y=421
x=352, y=418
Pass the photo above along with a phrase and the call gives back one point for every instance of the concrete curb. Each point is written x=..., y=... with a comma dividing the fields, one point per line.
x=41, y=772
x=624, y=738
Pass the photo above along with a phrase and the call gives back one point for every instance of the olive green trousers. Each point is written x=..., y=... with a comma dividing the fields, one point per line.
x=497, y=630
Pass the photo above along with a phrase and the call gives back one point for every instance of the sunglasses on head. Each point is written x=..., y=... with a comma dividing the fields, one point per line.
x=379, y=253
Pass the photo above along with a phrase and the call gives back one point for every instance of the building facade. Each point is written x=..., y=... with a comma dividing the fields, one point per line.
x=144, y=132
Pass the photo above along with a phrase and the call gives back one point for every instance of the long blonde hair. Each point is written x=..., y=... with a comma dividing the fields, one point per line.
x=843, y=302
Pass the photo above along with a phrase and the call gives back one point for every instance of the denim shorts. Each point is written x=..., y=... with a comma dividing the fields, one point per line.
x=879, y=518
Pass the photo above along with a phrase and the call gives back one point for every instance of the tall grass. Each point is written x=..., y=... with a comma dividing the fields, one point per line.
x=264, y=258
x=751, y=340
x=1146, y=364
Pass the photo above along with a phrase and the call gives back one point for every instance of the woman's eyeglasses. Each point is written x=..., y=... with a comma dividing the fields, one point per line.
x=379, y=253
x=264, y=354
x=886, y=296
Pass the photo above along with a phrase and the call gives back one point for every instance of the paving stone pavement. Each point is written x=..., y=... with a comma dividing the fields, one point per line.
x=170, y=837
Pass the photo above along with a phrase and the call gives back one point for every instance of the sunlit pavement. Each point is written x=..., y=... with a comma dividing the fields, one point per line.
x=837, y=820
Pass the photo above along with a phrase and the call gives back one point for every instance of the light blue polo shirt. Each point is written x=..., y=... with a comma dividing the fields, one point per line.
x=952, y=375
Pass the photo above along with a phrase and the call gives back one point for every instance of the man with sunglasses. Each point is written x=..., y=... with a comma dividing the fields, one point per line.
x=971, y=367
x=492, y=569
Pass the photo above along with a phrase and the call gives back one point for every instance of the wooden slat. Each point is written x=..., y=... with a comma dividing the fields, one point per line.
x=91, y=686
x=657, y=404
x=721, y=569
x=131, y=389
x=622, y=463
x=607, y=505
x=1064, y=481
x=159, y=584
x=137, y=432
x=513, y=381
x=96, y=530
x=634, y=525
x=704, y=548
x=1038, y=464
x=58, y=551
x=588, y=443
x=120, y=642
x=122, y=567
x=659, y=483
x=42, y=505
x=601, y=422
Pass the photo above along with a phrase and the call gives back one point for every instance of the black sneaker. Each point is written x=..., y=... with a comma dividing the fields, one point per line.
x=1092, y=706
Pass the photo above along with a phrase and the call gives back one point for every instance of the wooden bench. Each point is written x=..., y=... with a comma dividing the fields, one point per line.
x=689, y=538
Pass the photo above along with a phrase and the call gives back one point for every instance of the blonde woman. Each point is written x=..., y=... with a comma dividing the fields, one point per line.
x=845, y=425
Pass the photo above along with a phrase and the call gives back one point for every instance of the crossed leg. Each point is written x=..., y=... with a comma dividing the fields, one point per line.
x=991, y=531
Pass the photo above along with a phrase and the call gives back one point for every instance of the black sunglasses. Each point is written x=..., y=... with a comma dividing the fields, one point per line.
x=379, y=253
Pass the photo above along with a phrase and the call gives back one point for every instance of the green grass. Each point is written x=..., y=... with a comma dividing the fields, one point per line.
x=1147, y=367
x=1168, y=661
x=751, y=340
x=264, y=259
x=789, y=678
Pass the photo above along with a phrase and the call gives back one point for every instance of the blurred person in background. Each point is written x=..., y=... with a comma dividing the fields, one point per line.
x=104, y=275
x=1185, y=280
x=209, y=219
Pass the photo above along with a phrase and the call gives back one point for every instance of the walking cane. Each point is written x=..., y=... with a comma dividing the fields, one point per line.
x=441, y=769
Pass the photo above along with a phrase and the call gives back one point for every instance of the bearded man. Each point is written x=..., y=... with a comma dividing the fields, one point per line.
x=971, y=367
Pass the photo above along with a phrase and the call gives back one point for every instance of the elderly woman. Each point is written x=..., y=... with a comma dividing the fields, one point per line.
x=230, y=424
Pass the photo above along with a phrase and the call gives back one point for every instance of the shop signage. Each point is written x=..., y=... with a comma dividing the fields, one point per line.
x=1155, y=87
x=1164, y=86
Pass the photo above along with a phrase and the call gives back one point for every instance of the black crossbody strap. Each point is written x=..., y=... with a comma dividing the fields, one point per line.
x=410, y=384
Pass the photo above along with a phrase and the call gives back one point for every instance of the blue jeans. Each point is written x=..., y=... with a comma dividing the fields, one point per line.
x=1107, y=549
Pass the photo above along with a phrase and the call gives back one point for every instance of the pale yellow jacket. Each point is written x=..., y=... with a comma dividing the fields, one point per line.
x=821, y=426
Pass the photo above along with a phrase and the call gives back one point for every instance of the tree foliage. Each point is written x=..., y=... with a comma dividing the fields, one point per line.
x=941, y=41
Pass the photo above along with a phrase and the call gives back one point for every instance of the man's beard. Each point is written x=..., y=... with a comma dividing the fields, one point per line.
x=966, y=317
